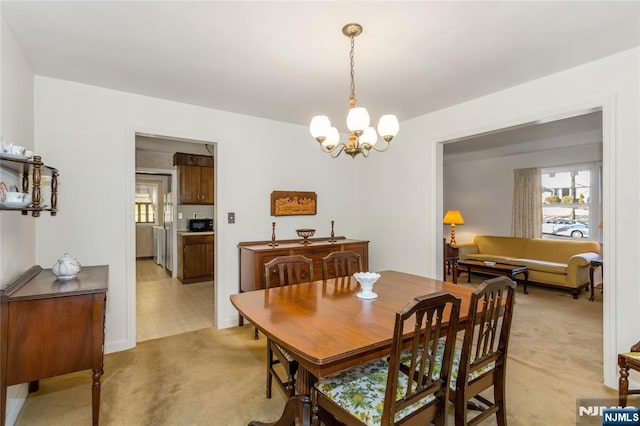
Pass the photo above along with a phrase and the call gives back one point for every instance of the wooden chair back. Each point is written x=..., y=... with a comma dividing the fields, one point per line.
x=285, y=270
x=341, y=264
x=486, y=340
x=422, y=324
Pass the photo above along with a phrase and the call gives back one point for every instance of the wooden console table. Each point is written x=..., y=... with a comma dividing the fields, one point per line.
x=50, y=327
x=253, y=256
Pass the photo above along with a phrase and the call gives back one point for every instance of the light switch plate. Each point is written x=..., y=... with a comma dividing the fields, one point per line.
x=231, y=217
x=179, y=215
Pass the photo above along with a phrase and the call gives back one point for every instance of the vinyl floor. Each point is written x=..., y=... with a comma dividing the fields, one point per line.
x=166, y=307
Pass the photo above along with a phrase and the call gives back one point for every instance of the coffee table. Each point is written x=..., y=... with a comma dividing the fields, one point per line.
x=496, y=269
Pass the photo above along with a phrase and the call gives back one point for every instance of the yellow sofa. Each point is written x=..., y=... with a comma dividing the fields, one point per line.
x=556, y=263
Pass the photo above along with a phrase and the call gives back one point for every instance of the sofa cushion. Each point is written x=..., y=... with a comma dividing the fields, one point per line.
x=541, y=265
x=481, y=256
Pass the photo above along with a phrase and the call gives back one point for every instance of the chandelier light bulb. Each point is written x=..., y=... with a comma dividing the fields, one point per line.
x=319, y=127
x=388, y=126
x=357, y=120
x=369, y=136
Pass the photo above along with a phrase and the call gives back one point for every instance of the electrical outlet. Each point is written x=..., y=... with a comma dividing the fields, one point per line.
x=231, y=217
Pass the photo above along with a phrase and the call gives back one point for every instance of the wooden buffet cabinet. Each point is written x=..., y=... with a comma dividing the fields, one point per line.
x=195, y=176
x=50, y=327
x=195, y=256
x=253, y=256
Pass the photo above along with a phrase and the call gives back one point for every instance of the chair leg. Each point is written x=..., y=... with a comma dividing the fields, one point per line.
x=460, y=406
x=255, y=333
x=269, y=366
x=623, y=384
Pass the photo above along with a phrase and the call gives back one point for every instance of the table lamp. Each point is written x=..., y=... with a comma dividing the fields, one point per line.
x=453, y=218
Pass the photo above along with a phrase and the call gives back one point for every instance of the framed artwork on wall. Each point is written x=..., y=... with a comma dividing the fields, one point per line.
x=293, y=203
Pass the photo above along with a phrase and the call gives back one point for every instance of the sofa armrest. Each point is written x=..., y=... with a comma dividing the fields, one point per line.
x=582, y=259
x=466, y=248
x=577, y=272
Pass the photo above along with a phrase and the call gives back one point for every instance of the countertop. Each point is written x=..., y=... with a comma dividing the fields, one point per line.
x=196, y=233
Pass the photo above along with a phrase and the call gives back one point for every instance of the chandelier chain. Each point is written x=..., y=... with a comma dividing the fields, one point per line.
x=351, y=56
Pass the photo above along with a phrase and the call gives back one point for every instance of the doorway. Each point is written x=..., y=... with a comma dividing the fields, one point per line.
x=164, y=305
x=605, y=106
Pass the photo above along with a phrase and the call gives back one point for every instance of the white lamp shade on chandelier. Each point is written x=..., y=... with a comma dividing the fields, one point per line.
x=362, y=137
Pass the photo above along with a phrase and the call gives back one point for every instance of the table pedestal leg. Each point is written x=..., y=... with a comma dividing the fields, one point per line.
x=298, y=406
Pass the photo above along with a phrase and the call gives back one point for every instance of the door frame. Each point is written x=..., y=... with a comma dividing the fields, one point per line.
x=607, y=105
x=131, y=132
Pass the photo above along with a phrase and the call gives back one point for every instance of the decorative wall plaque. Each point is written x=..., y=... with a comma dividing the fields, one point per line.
x=292, y=203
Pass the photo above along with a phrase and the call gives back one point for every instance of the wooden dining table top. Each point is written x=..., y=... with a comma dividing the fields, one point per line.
x=327, y=328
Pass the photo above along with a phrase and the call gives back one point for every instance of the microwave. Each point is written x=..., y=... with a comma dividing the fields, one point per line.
x=200, y=225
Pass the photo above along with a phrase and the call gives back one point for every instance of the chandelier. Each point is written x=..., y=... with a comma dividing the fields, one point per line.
x=362, y=137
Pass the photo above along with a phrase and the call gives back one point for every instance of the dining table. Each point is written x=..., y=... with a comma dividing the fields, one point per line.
x=327, y=328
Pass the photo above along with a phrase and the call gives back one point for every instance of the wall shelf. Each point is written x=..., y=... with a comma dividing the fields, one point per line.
x=31, y=173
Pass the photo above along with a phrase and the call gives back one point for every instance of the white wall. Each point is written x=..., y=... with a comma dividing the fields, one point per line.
x=17, y=245
x=410, y=197
x=482, y=190
x=88, y=133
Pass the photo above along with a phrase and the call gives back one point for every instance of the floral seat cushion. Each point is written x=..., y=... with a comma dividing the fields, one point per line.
x=634, y=355
x=405, y=359
x=361, y=391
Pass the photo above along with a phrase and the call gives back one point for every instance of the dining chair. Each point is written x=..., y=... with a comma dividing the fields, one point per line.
x=283, y=271
x=341, y=264
x=481, y=361
x=626, y=361
x=378, y=393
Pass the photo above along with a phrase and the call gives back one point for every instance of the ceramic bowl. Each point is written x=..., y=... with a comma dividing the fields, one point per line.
x=366, y=280
x=20, y=199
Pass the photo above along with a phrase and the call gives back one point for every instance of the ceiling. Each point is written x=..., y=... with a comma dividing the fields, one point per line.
x=288, y=61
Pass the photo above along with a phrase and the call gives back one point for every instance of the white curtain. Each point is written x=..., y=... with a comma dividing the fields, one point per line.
x=526, y=218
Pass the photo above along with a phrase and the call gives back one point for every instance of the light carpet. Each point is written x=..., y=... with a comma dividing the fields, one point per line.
x=217, y=377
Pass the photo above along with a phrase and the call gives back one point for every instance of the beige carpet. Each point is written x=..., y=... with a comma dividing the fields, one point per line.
x=217, y=377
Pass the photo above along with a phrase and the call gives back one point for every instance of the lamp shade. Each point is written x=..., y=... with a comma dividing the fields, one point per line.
x=358, y=119
x=369, y=136
x=333, y=137
x=453, y=217
x=319, y=126
x=388, y=125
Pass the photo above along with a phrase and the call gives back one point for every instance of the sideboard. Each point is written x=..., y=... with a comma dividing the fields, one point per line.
x=253, y=256
x=50, y=327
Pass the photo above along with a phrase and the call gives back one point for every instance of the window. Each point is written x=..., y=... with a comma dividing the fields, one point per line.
x=571, y=202
x=144, y=213
x=145, y=207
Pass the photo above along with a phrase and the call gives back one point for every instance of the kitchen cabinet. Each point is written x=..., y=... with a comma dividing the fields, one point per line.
x=195, y=176
x=253, y=256
x=195, y=259
x=30, y=173
x=50, y=327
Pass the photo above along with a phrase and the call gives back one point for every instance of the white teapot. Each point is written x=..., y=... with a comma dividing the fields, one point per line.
x=66, y=267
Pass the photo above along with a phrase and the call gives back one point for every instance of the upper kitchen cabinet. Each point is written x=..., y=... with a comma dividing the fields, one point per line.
x=195, y=176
